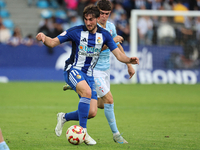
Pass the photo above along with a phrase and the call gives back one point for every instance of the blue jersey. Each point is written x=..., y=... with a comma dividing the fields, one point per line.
x=104, y=58
x=86, y=47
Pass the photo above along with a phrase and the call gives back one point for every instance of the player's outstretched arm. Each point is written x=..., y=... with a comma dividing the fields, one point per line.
x=123, y=58
x=50, y=42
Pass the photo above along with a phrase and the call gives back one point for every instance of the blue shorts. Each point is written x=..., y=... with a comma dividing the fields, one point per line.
x=74, y=76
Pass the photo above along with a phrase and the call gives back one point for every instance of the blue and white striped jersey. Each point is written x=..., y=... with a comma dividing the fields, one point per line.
x=86, y=47
x=104, y=58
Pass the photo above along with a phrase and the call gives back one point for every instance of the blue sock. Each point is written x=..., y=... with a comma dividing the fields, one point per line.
x=72, y=116
x=109, y=113
x=83, y=111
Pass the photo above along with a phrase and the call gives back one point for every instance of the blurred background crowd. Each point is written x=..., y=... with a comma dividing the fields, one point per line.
x=55, y=16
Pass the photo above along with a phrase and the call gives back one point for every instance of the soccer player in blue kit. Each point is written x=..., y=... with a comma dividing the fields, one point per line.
x=102, y=71
x=87, y=42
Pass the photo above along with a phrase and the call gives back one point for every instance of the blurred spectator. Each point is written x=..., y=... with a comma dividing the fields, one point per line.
x=188, y=40
x=28, y=40
x=168, y=4
x=145, y=30
x=16, y=38
x=75, y=20
x=60, y=2
x=117, y=11
x=195, y=5
x=71, y=4
x=46, y=26
x=186, y=3
x=179, y=7
x=140, y=4
x=198, y=4
x=156, y=4
x=197, y=27
x=47, y=20
x=156, y=23
x=58, y=28
x=128, y=6
x=81, y=6
x=5, y=33
x=166, y=33
x=179, y=21
x=123, y=28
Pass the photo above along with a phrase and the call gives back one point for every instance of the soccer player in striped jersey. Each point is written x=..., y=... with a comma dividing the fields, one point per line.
x=87, y=42
x=102, y=71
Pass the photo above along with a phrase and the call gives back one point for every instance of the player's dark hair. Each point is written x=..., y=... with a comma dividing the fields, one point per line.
x=104, y=5
x=91, y=9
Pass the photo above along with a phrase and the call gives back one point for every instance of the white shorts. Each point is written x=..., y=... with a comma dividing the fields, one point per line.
x=102, y=82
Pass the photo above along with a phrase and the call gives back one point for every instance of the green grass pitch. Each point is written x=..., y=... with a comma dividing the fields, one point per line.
x=150, y=117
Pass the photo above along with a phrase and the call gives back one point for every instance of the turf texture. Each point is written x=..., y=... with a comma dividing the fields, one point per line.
x=150, y=117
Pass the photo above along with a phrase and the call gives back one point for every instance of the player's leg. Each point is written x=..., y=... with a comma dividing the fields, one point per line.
x=110, y=115
x=105, y=100
x=84, y=92
x=77, y=81
x=93, y=104
x=100, y=103
x=93, y=108
x=3, y=145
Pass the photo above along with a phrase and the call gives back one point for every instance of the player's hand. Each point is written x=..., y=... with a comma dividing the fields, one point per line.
x=118, y=38
x=131, y=70
x=40, y=37
x=134, y=60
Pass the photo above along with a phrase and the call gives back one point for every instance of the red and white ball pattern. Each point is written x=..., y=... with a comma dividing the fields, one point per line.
x=75, y=135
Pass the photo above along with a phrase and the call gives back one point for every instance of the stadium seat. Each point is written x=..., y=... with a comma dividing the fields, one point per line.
x=4, y=13
x=46, y=13
x=8, y=23
x=60, y=14
x=2, y=4
x=42, y=4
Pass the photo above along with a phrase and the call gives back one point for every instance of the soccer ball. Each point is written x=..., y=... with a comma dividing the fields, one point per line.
x=75, y=135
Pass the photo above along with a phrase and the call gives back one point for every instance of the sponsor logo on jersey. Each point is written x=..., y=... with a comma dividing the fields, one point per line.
x=88, y=49
x=78, y=76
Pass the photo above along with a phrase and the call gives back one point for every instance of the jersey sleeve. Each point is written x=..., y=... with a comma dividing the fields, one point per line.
x=110, y=42
x=65, y=36
x=114, y=32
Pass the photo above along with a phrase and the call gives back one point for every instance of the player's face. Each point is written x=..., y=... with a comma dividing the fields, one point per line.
x=104, y=15
x=91, y=23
